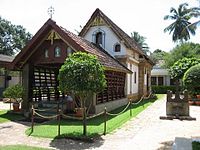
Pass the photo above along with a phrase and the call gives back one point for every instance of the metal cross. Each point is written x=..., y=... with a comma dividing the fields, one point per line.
x=50, y=11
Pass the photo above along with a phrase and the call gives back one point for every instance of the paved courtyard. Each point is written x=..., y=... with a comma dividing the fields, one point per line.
x=145, y=132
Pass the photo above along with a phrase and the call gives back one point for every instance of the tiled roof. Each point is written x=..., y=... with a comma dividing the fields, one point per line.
x=128, y=41
x=105, y=58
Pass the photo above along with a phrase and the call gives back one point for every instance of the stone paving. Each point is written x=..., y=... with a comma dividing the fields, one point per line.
x=145, y=132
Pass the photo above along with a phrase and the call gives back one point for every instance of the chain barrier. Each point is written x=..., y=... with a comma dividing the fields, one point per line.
x=71, y=117
x=119, y=112
x=132, y=103
x=93, y=116
x=46, y=117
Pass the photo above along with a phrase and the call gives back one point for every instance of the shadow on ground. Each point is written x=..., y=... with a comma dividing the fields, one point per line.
x=167, y=145
x=65, y=143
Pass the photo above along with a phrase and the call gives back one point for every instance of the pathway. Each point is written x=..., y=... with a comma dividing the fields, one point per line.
x=145, y=132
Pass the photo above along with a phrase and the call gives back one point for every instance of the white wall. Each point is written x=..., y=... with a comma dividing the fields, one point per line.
x=110, y=39
x=132, y=87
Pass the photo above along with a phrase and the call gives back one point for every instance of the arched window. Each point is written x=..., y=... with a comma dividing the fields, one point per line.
x=69, y=51
x=99, y=40
x=46, y=53
x=57, y=51
x=117, y=48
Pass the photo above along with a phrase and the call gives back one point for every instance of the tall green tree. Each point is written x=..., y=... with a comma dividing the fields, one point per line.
x=181, y=28
x=181, y=51
x=12, y=37
x=83, y=75
x=158, y=55
x=140, y=40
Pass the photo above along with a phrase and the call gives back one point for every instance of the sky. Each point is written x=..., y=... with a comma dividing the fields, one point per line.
x=143, y=16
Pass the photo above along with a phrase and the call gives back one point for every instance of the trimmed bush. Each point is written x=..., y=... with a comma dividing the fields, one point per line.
x=191, y=79
x=161, y=89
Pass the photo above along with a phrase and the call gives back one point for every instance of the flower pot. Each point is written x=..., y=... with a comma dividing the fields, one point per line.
x=79, y=112
x=198, y=96
x=16, y=107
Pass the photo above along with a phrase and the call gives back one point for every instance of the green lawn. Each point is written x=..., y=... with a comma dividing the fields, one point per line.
x=95, y=126
x=20, y=147
x=6, y=115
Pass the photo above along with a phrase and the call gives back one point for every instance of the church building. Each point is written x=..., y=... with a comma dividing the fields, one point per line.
x=127, y=67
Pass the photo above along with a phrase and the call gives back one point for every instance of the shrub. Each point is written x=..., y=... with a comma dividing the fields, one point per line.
x=191, y=79
x=16, y=92
x=161, y=89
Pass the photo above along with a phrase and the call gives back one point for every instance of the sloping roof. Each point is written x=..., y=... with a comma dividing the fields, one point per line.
x=128, y=41
x=76, y=42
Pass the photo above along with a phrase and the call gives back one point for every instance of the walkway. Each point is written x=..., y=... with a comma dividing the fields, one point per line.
x=145, y=132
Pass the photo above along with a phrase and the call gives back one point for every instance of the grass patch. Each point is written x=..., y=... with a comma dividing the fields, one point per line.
x=6, y=116
x=20, y=147
x=95, y=126
x=195, y=145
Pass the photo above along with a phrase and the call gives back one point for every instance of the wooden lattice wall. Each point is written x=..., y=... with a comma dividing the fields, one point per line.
x=115, y=87
x=45, y=85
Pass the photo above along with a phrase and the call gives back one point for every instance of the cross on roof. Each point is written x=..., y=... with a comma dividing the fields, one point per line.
x=50, y=11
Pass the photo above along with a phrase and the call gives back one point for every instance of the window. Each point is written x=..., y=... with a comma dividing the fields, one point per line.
x=160, y=81
x=153, y=81
x=46, y=53
x=69, y=51
x=99, y=38
x=57, y=51
x=135, y=75
x=117, y=48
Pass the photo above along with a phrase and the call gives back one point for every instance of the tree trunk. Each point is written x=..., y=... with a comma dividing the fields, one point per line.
x=84, y=119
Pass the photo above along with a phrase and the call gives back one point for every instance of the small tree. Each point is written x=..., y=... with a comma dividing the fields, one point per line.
x=191, y=80
x=82, y=74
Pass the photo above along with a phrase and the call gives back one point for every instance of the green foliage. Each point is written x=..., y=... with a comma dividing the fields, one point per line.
x=188, y=50
x=80, y=73
x=157, y=55
x=12, y=37
x=161, y=89
x=191, y=79
x=15, y=92
x=140, y=40
x=181, y=27
x=195, y=145
x=180, y=67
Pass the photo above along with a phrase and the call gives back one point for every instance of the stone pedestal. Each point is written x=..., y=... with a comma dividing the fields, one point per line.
x=177, y=106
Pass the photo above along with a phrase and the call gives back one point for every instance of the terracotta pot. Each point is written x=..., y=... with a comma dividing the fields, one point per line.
x=16, y=107
x=198, y=96
x=79, y=112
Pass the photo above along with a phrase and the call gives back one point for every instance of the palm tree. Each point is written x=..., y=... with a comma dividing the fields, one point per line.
x=140, y=40
x=181, y=27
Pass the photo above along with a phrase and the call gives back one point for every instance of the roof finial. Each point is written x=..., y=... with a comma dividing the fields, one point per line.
x=50, y=11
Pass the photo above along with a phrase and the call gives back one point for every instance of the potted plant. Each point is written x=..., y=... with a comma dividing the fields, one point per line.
x=15, y=92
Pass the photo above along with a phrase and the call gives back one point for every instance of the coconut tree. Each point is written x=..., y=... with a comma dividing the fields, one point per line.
x=181, y=28
x=140, y=40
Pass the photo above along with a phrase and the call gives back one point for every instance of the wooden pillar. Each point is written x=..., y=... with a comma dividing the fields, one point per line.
x=27, y=77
